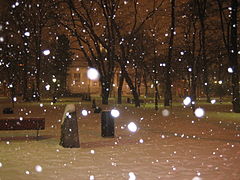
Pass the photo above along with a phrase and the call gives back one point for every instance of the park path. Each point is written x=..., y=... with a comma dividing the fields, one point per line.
x=177, y=146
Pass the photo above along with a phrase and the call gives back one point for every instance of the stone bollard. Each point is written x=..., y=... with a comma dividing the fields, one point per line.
x=107, y=124
x=69, y=128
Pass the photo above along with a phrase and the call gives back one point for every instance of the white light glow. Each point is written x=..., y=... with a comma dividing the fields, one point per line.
x=38, y=168
x=132, y=127
x=165, y=112
x=187, y=101
x=27, y=34
x=14, y=99
x=47, y=87
x=213, y=101
x=93, y=74
x=1, y=39
x=131, y=176
x=115, y=113
x=230, y=70
x=46, y=52
x=84, y=112
x=199, y=112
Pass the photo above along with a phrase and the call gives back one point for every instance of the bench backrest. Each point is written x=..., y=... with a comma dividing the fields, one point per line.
x=22, y=124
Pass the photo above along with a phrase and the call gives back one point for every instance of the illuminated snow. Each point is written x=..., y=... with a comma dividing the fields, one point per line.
x=84, y=112
x=38, y=168
x=93, y=74
x=1, y=165
x=27, y=34
x=132, y=127
x=187, y=101
x=46, y=52
x=165, y=112
x=199, y=112
x=230, y=70
x=47, y=87
x=131, y=176
x=91, y=177
x=115, y=113
x=213, y=101
x=196, y=178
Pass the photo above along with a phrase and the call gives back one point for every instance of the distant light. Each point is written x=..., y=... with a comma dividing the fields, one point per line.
x=46, y=52
x=190, y=69
x=84, y=112
x=132, y=127
x=93, y=74
x=199, y=112
x=187, y=101
x=41, y=105
x=165, y=112
x=141, y=141
x=38, y=168
x=27, y=34
x=230, y=70
x=115, y=113
x=131, y=176
x=182, y=53
x=14, y=99
x=1, y=39
x=220, y=82
x=213, y=101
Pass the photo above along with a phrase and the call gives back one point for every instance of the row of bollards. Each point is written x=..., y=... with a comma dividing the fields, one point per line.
x=69, y=127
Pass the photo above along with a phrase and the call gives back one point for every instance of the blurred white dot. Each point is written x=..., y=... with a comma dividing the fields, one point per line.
x=41, y=105
x=46, y=52
x=92, y=151
x=230, y=70
x=21, y=118
x=1, y=39
x=132, y=127
x=1, y=165
x=187, y=101
x=199, y=112
x=93, y=74
x=141, y=141
x=196, y=178
x=27, y=34
x=165, y=112
x=27, y=172
x=84, y=112
x=91, y=177
x=38, y=168
x=47, y=87
x=7, y=142
x=213, y=101
x=115, y=113
x=131, y=176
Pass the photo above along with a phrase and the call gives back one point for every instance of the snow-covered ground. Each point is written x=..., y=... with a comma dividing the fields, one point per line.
x=178, y=146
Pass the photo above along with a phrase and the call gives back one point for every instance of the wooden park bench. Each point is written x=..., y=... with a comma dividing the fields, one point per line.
x=27, y=123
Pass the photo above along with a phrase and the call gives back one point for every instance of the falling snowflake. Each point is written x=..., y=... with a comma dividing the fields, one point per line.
x=187, y=101
x=38, y=168
x=132, y=127
x=165, y=112
x=132, y=176
x=93, y=74
x=115, y=113
x=46, y=52
x=199, y=112
x=84, y=112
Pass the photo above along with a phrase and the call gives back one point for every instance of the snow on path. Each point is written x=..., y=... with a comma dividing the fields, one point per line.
x=178, y=146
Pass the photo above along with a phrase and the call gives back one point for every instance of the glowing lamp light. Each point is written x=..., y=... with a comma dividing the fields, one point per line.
x=199, y=112
x=187, y=101
x=27, y=34
x=115, y=113
x=46, y=52
x=93, y=74
x=132, y=127
x=84, y=112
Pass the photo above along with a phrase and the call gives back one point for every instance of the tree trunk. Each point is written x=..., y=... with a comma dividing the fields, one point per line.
x=120, y=86
x=105, y=92
x=168, y=82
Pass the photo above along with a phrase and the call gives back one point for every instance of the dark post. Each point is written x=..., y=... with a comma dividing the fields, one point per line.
x=69, y=129
x=107, y=124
